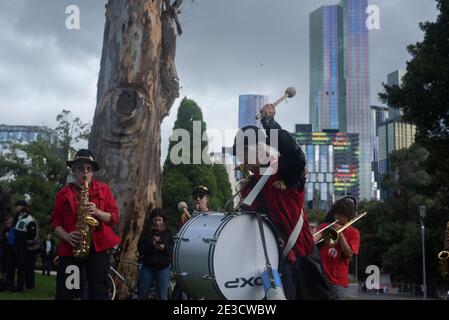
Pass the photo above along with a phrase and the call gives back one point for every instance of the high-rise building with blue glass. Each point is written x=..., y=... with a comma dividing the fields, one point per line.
x=326, y=68
x=249, y=107
x=339, y=79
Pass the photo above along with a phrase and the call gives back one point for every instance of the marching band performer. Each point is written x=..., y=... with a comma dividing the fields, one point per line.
x=102, y=207
x=282, y=197
x=336, y=256
x=200, y=195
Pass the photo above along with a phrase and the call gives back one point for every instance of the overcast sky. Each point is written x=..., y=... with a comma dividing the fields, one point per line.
x=229, y=47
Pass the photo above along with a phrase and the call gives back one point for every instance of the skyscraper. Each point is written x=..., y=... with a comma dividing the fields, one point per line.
x=249, y=106
x=393, y=135
x=379, y=115
x=395, y=79
x=339, y=79
x=326, y=68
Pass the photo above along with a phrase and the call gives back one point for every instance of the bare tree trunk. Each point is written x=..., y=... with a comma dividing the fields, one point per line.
x=137, y=86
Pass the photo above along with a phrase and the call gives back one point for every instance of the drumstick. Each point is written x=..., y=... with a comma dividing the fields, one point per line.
x=290, y=92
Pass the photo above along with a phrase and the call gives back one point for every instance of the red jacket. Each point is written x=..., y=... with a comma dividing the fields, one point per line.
x=65, y=211
x=284, y=207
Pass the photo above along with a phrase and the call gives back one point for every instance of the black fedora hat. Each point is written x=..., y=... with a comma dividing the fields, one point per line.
x=84, y=155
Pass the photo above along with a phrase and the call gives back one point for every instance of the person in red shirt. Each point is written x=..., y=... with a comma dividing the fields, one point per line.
x=102, y=206
x=336, y=257
x=282, y=198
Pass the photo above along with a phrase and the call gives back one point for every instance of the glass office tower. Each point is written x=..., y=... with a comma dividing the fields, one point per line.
x=249, y=106
x=339, y=78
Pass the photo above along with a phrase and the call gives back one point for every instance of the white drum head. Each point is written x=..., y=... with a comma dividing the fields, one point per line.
x=239, y=259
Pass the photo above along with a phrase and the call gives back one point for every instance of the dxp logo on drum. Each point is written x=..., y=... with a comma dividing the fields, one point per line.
x=242, y=282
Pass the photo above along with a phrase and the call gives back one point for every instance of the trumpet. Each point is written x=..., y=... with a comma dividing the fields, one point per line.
x=330, y=235
x=443, y=255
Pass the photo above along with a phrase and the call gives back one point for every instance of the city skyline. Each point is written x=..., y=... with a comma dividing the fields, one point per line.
x=216, y=60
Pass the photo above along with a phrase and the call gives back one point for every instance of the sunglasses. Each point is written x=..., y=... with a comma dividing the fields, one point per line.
x=83, y=168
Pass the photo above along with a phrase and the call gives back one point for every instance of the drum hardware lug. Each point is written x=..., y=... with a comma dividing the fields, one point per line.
x=208, y=277
x=185, y=239
x=207, y=240
x=184, y=274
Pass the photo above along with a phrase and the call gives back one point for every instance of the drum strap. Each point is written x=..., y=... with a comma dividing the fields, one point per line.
x=253, y=195
x=259, y=185
x=294, y=235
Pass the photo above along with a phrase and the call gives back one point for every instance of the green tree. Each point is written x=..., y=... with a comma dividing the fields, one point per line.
x=36, y=176
x=70, y=131
x=390, y=233
x=424, y=100
x=423, y=94
x=37, y=170
x=180, y=179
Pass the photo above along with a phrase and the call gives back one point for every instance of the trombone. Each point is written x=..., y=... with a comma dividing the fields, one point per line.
x=330, y=235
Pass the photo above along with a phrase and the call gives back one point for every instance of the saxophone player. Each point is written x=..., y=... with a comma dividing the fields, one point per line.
x=100, y=205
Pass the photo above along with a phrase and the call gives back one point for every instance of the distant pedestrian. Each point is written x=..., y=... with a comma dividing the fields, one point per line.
x=25, y=233
x=47, y=253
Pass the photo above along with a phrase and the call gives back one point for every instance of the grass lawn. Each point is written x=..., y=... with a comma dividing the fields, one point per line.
x=45, y=290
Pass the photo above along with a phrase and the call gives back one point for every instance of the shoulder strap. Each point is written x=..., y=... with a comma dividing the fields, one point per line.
x=259, y=185
x=294, y=235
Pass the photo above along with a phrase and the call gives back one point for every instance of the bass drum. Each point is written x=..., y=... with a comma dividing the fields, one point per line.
x=220, y=256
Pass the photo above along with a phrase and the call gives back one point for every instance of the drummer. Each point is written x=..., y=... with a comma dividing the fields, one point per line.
x=281, y=196
x=200, y=197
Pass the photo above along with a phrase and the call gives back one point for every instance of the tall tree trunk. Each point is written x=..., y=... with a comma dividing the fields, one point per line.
x=137, y=86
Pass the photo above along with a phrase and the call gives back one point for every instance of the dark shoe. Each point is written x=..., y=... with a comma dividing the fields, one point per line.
x=18, y=290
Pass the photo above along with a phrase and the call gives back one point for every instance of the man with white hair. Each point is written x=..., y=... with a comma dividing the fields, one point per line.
x=282, y=198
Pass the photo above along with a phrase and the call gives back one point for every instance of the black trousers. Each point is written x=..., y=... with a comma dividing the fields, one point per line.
x=26, y=261
x=305, y=280
x=46, y=264
x=11, y=264
x=30, y=264
x=91, y=279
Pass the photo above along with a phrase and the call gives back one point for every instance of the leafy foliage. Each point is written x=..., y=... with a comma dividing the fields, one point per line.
x=180, y=179
x=424, y=100
x=37, y=170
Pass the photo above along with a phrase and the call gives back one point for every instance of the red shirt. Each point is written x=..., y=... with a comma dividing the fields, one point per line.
x=284, y=208
x=66, y=208
x=335, y=263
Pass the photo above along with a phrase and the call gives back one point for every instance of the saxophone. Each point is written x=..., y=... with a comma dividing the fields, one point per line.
x=443, y=256
x=85, y=224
